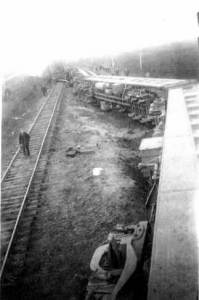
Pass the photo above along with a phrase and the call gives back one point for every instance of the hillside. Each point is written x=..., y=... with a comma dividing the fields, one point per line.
x=21, y=100
x=179, y=60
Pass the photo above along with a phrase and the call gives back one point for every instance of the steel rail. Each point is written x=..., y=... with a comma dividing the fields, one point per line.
x=150, y=193
x=27, y=191
x=29, y=131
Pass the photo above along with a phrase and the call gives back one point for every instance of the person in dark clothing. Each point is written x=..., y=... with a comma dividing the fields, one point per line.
x=44, y=90
x=24, y=140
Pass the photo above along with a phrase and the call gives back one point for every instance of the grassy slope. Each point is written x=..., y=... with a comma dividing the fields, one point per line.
x=19, y=106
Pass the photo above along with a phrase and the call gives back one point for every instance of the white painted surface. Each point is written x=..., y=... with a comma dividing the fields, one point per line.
x=174, y=264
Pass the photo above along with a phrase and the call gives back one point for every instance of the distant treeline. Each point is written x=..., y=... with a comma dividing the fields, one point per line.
x=179, y=60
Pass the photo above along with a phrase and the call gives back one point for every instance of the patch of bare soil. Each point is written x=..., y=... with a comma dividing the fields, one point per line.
x=77, y=209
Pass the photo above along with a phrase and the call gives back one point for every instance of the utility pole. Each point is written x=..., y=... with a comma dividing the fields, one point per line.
x=198, y=39
x=198, y=25
x=140, y=61
x=112, y=65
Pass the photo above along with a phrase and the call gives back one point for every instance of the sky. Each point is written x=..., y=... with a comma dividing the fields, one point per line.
x=37, y=32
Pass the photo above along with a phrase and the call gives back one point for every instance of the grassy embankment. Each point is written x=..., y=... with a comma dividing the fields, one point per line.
x=22, y=98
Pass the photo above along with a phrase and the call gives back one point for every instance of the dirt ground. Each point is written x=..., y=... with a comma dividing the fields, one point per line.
x=77, y=209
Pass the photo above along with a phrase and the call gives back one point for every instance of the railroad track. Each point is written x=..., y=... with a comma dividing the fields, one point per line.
x=20, y=187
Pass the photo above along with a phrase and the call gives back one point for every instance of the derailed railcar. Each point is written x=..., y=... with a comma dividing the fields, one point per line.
x=118, y=261
x=145, y=104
